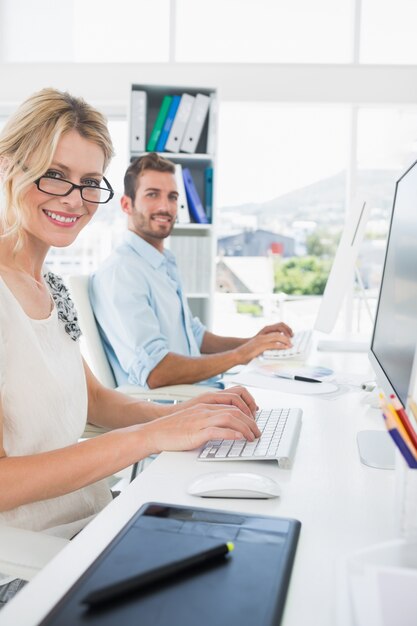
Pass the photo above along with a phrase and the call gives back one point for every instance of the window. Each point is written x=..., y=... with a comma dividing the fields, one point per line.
x=129, y=31
x=281, y=196
x=265, y=31
x=268, y=150
x=95, y=31
x=388, y=33
x=387, y=147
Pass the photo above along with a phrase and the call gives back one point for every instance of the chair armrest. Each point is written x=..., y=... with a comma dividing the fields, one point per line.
x=24, y=552
x=92, y=431
x=176, y=393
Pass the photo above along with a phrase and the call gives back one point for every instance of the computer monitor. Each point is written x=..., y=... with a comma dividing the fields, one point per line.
x=340, y=280
x=395, y=329
x=341, y=273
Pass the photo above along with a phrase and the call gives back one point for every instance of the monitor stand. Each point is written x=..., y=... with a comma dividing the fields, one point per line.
x=376, y=449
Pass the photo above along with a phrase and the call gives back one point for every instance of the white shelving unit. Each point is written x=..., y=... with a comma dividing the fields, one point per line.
x=194, y=245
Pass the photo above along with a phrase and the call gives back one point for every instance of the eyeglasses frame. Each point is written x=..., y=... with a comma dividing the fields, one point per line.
x=75, y=186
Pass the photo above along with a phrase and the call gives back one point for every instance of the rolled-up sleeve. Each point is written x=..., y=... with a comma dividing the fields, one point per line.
x=122, y=304
x=198, y=329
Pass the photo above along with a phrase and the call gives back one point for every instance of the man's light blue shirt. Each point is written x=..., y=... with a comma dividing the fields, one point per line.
x=142, y=312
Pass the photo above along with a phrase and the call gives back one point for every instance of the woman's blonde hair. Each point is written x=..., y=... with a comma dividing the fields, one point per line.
x=28, y=142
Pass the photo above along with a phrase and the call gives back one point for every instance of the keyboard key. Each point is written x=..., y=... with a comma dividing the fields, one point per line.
x=205, y=452
x=238, y=445
x=249, y=449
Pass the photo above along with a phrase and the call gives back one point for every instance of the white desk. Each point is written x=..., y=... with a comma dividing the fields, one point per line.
x=342, y=505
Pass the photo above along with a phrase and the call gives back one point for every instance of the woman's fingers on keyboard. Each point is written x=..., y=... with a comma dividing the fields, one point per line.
x=234, y=419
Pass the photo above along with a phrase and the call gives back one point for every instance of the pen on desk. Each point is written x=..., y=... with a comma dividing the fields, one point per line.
x=304, y=379
x=103, y=595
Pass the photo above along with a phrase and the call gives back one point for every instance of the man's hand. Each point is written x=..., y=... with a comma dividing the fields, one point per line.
x=276, y=328
x=265, y=340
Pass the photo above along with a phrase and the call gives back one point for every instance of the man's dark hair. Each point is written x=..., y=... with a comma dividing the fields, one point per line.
x=151, y=161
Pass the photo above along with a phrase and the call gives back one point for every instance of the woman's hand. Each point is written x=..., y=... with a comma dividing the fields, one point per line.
x=191, y=427
x=234, y=396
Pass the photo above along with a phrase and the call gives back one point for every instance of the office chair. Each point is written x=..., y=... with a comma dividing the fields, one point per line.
x=97, y=358
x=23, y=553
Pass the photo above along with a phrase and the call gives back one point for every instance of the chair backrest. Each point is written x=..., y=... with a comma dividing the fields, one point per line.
x=96, y=356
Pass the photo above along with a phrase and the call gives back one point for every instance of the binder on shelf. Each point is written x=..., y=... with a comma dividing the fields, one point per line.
x=208, y=192
x=183, y=215
x=178, y=127
x=212, y=125
x=169, y=120
x=195, y=205
x=138, y=102
x=195, y=123
x=159, y=122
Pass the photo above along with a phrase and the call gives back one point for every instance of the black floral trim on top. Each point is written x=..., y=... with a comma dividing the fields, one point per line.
x=64, y=305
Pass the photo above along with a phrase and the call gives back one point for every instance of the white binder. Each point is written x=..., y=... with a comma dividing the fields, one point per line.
x=183, y=215
x=180, y=122
x=212, y=125
x=138, y=121
x=195, y=123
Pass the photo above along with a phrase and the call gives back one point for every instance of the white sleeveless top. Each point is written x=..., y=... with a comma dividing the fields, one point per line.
x=43, y=393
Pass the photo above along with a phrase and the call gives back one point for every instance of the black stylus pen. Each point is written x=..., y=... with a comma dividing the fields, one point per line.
x=302, y=378
x=159, y=574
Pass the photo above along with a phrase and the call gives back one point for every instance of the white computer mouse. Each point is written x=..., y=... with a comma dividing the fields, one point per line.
x=234, y=485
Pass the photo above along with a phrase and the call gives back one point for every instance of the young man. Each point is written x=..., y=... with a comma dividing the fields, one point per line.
x=149, y=333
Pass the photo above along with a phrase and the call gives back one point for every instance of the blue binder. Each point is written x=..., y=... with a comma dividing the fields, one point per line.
x=169, y=120
x=195, y=206
x=208, y=192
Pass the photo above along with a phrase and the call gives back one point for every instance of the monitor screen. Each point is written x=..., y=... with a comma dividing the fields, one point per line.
x=395, y=330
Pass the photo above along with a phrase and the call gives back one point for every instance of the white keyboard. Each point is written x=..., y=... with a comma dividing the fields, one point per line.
x=301, y=344
x=280, y=430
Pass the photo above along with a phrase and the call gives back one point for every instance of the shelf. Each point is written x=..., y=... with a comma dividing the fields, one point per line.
x=192, y=226
x=177, y=156
x=193, y=244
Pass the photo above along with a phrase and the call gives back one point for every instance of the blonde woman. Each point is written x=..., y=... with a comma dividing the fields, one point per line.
x=53, y=155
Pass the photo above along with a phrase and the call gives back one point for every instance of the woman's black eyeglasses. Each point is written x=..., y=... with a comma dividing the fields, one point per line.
x=61, y=187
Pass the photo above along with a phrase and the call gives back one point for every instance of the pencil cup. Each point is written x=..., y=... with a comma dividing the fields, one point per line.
x=406, y=491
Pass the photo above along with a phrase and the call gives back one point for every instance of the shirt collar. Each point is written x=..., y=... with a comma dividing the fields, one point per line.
x=148, y=252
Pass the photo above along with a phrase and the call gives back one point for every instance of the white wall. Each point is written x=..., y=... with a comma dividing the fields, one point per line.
x=107, y=85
